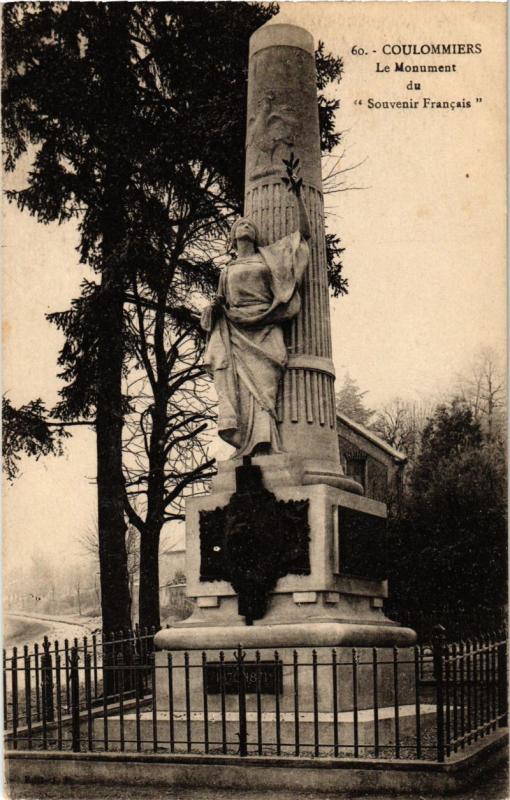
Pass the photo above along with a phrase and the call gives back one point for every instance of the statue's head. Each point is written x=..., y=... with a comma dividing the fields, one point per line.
x=244, y=228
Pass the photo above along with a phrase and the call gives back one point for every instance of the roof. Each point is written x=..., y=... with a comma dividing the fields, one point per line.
x=371, y=437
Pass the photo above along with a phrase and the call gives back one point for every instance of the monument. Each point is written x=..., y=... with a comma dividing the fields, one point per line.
x=278, y=553
x=265, y=549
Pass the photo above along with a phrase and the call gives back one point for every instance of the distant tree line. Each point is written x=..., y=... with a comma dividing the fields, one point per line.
x=446, y=547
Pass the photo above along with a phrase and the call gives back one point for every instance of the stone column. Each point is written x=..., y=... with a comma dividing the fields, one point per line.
x=282, y=118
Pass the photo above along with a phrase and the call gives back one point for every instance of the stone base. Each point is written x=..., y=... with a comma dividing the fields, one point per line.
x=323, y=594
x=354, y=603
x=265, y=726
x=308, y=616
x=308, y=665
x=321, y=608
x=268, y=775
x=316, y=633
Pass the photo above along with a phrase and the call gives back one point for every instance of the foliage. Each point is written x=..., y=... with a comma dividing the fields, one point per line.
x=447, y=551
x=26, y=430
x=337, y=283
x=329, y=70
x=349, y=401
x=449, y=434
x=99, y=96
x=182, y=67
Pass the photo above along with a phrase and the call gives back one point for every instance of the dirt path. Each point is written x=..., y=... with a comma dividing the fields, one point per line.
x=21, y=628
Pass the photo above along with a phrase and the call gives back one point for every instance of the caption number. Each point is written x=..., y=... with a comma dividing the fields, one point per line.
x=358, y=51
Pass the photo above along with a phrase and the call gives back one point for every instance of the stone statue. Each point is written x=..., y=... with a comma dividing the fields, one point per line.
x=246, y=353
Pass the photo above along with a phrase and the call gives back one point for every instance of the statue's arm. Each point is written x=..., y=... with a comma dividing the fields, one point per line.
x=294, y=184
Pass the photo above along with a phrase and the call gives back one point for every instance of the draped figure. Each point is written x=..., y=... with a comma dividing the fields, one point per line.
x=246, y=353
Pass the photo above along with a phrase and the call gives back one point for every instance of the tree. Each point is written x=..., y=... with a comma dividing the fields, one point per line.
x=483, y=388
x=172, y=407
x=448, y=550
x=349, y=401
x=89, y=541
x=401, y=423
x=26, y=429
x=133, y=115
x=72, y=94
x=450, y=432
x=166, y=436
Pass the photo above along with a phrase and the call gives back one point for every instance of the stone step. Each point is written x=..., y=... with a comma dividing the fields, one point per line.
x=267, y=725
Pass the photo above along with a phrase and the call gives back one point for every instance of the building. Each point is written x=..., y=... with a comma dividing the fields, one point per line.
x=172, y=555
x=371, y=461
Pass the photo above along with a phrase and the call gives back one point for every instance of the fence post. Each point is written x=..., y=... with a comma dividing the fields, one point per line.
x=438, y=647
x=14, y=688
x=243, y=747
x=28, y=695
x=75, y=700
x=47, y=682
x=502, y=683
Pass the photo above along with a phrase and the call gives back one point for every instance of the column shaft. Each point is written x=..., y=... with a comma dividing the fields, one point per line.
x=283, y=118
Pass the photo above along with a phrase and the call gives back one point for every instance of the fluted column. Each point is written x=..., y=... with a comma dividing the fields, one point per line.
x=282, y=118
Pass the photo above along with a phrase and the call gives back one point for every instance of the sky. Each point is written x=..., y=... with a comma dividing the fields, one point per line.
x=423, y=226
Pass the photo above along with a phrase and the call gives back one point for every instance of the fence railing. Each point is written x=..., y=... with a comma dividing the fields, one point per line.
x=426, y=702
x=38, y=683
x=472, y=697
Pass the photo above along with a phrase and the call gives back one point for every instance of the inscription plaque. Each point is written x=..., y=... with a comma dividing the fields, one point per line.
x=362, y=544
x=270, y=675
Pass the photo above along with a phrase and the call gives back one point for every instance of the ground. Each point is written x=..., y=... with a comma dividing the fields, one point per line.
x=494, y=787
x=22, y=628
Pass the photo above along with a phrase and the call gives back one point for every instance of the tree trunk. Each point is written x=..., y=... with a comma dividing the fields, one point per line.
x=149, y=578
x=149, y=540
x=115, y=597
x=149, y=611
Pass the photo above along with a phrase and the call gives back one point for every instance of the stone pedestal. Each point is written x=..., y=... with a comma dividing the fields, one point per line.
x=324, y=607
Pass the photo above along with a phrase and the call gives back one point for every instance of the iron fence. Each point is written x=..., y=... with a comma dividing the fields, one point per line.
x=426, y=702
x=38, y=683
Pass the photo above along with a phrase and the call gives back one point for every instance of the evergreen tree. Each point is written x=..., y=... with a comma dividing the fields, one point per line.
x=448, y=550
x=26, y=430
x=350, y=401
